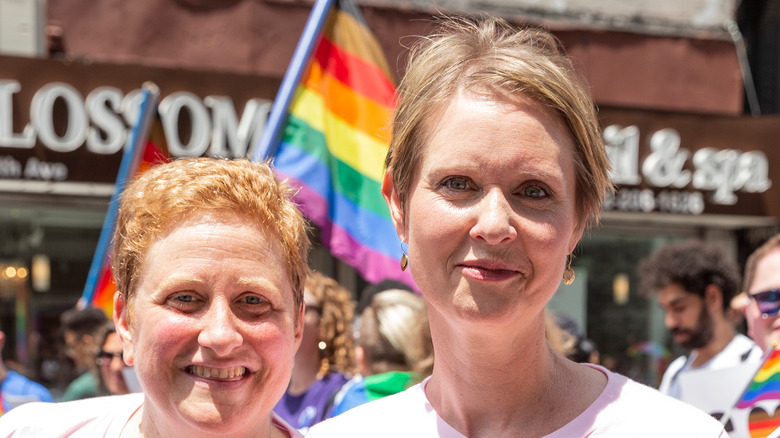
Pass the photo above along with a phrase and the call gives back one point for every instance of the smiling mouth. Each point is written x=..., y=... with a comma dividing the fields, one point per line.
x=216, y=373
x=489, y=271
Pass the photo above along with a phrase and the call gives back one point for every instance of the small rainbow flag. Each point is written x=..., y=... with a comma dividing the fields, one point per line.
x=335, y=141
x=155, y=152
x=764, y=386
x=151, y=150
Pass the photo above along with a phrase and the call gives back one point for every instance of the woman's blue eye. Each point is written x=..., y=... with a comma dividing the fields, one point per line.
x=534, y=192
x=185, y=298
x=457, y=183
x=251, y=299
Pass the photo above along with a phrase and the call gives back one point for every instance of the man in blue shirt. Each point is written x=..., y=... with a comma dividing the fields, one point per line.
x=15, y=389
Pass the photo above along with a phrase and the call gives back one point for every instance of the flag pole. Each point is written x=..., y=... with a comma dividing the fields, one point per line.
x=130, y=159
x=269, y=140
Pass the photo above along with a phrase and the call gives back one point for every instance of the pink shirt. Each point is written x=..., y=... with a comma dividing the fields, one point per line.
x=624, y=409
x=92, y=417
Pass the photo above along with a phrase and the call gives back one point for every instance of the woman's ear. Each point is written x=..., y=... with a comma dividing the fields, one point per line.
x=299, y=327
x=393, y=200
x=122, y=325
x=576, y=236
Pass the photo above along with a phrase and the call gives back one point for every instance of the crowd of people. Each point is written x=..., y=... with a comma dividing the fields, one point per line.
x=495, y=170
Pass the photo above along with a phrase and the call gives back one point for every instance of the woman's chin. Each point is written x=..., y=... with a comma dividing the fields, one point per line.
x=474, y=307
x=207, y=416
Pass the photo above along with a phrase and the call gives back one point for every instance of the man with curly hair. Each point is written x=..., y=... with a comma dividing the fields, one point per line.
x=695, y=283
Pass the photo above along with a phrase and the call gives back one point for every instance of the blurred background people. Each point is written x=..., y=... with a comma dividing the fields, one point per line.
x=564, y=334
x=111, y=380
x=210, y=258
x=695, y=284
x=16, y=389
x=80, y=329
x=394, y=349
x=762, y=284
x=368, y=292
x=325, y=360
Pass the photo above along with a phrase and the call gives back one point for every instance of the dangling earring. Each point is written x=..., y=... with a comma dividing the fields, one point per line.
x=404, y=258
x=568, y=274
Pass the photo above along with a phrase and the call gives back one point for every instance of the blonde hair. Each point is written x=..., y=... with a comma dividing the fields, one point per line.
x=752, y=262
x=490, y=54
x=168, y=193
x=394, y=333
x=335, y=324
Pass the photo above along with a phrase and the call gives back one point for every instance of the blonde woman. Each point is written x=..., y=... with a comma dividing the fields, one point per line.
x=495, y=168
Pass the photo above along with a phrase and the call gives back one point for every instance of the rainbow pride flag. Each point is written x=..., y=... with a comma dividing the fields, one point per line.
x=334, y=143
x=146, y=148
x=155, y=152
x=764, y=386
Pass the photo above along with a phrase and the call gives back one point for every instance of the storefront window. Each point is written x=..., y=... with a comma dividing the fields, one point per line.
x=45, y=253
x=626, y=326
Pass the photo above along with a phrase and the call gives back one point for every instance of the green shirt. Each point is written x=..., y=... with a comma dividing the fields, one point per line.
x=84, y=386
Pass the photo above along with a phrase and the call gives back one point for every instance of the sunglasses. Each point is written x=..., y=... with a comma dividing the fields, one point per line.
x=768, y=302
x=105, y=357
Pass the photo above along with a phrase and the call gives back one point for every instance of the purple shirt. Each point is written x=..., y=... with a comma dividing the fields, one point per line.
x=307, y=409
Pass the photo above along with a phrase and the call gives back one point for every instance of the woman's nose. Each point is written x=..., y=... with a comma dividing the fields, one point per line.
x=117, y=364
x=218, y=329
x=495, y=223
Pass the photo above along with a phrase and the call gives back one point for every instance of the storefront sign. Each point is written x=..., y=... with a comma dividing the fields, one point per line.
x=69, y=122
x=691, y=165
x=722, y=172
x=101, y=121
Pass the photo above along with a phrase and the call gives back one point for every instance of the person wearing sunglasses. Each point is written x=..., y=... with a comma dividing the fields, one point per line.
x=762, y=285
x=112, y=370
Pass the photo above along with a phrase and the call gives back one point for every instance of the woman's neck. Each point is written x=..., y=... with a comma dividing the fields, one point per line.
x=493, y=357
x=3, y=371
x=514, y=368
x=304, y=374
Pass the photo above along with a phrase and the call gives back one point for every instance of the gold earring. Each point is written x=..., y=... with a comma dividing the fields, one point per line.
x=568, y=274
x=404, y=259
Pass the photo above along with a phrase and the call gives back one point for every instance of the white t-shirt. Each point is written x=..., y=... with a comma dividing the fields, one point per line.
x=624, y=409
x=739, y=350
x=88, y=418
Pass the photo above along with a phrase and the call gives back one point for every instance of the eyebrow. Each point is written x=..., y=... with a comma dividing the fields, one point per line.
x=674, y=302
x=257, y=283
x=188, y=281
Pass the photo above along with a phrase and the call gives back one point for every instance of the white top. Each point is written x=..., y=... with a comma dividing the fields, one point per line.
x=624, y=409
x=88, y=418
x=739, y=350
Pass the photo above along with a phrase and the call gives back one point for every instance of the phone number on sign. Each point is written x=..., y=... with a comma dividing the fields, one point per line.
x=646, y=201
